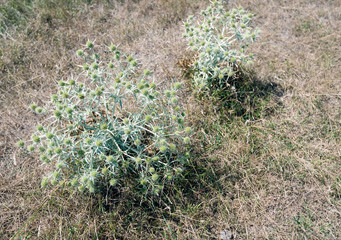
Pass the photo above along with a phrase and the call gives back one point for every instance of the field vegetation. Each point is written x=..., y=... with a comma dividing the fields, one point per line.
x=265, y=158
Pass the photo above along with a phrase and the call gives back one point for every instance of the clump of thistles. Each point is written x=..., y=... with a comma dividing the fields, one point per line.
x=111, y=124
x=220, y=38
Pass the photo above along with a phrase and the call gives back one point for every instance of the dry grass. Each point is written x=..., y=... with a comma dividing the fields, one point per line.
x=271, y=173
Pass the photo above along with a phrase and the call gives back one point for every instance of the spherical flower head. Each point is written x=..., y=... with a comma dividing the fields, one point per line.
x=49, y=135
x=30, y=148
x=146, y=72
x=127, y=131
x=62, y=83
x=98, y=92
x=155, y=177
x=86, y=67
x=21, y=143
x=133, y=63
x=148, y=118
x=163, y=149
x=177, y=108
x=43, y=157
x=89, y=44
x=54, y=181
x=39, y=110
x=130, y=58
x=172, y=146
x=58, y=150
x=69, y=110
x=104, y=126
x=80, y=52
x=221, y=76
x=113, y=182
x=65, y=95
x=230, y=73
x=148, y=160
x=105, y=171
x=59, y=165
x=91, y=188
x=54, y=98
x=74, y=182
x=72, y=82
x=99, y=143
x=169, y=176
x=84, y=179
x=156, y=129
x=187, y=140
x=81, y=96
x=126, y=121
x=129, y=86
x=173, y=93
x=67, y=141
x=145, y=92
x=93, y=174
x=42, y=149
x=49, y=152
x=138, y=160
x=188, y=130
x=167, y=93
x=174, y=100
x=110, y=65
x=33, y=106
x=94, y=66
x=155, y=159
x=137, y=142
x=112, y=48
x=94, y=75
x=56, y=174
x=178, y=171
x=88, y=140
x=151, y=170
x=143, y=182
x=36, y=139
x=202, y=86
x=44, y=182
x=57, y=113
x=174, y=117
x=152, y=85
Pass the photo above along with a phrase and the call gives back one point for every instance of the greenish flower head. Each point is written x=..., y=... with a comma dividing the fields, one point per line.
x=89, y=44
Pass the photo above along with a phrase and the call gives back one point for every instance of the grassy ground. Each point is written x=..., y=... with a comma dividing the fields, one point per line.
x=270, y=171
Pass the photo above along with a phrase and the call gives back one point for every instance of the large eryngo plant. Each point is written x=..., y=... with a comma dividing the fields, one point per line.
x=220, y=38
x=111, y=125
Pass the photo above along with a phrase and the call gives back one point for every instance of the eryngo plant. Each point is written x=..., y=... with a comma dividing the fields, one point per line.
x=220, y=38
x=111, y=125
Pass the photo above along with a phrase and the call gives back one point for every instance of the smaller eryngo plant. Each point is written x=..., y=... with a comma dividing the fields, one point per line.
x=110, y=126
x=220, y=38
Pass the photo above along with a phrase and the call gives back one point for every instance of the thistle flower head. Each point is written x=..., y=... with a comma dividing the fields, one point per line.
x=89, y=44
